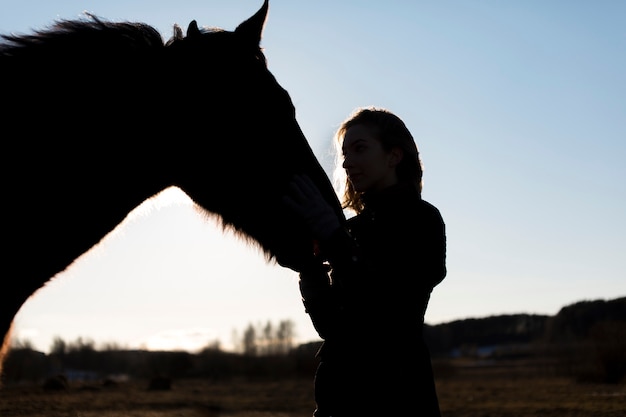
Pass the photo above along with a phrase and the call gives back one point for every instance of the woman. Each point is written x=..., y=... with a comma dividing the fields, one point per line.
x=368, y=284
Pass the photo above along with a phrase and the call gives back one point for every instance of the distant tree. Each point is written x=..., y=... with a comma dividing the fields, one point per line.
x=267, y=339
x=236, y=341
x=80, y=354
x=285, y=335
x=22, y=344
x=82, y=345
x=588, y=339
x=249, y=341
x=59, y=347
x=573, y=323
x=214, y=346
x=111, y=346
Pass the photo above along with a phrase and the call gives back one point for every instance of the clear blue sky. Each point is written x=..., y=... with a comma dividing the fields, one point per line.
x=519, y=110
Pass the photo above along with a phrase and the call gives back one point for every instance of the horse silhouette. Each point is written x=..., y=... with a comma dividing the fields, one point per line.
x=104, y=115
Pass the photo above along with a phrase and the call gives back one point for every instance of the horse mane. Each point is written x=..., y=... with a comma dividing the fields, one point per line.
x=95, y=37
x=83, y=36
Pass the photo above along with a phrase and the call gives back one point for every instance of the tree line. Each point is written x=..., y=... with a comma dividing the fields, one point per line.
x=586, y=340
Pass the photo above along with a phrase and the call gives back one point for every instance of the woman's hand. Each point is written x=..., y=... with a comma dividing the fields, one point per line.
x=304, y=198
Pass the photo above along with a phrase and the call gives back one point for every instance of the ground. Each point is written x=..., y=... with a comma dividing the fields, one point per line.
x=465, y=390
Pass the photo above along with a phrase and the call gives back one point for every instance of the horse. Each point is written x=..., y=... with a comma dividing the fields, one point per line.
x=104, y=115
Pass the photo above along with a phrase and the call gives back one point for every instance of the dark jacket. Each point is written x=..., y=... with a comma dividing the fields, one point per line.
x=367, y=302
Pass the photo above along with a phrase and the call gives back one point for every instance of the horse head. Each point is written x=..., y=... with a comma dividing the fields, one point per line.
x=252, y=143
x=115, y=115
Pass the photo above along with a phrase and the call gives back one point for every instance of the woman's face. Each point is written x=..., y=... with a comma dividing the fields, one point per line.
x=368, y=166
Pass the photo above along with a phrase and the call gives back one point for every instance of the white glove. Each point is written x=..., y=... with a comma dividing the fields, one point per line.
x=305, y=199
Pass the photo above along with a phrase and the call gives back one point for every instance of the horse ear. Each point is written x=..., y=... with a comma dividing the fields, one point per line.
x=178, y=32
x=253, y=27
x=192, y=29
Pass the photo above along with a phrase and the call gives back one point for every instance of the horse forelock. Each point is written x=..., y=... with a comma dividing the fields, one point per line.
x=192, y=30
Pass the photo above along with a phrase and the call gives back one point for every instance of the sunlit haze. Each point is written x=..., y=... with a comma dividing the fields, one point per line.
x=518, y=109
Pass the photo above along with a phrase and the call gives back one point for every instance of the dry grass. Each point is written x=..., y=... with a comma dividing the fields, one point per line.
x=517, y=391
x=464, y=391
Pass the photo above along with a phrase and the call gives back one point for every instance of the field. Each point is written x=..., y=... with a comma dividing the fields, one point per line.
x=465, y=390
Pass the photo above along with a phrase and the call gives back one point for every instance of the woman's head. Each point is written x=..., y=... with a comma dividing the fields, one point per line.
x=375, y=150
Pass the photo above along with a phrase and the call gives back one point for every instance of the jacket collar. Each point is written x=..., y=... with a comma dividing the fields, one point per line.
x=390, y=196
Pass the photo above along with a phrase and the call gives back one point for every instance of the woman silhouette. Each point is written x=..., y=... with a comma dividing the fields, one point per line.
x=367, y=285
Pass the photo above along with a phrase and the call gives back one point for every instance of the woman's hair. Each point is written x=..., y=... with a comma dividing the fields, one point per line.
x=391, y=131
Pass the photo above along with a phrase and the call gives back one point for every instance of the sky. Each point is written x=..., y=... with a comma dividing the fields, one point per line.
x=518, y=109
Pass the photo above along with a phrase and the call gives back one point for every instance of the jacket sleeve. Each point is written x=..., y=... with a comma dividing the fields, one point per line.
x=434, y=252
x=319, y=299
x=406, y=252
x=320, y=294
